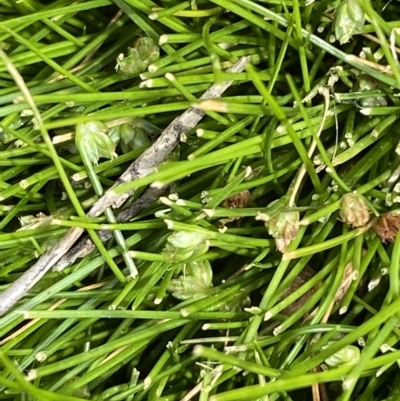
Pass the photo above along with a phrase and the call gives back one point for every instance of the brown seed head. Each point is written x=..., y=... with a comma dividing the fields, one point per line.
x=241, y=199
x=387, y=226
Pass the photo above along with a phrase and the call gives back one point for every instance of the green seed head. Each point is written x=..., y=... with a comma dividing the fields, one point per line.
x=182, y=245
x=283, y=227
x=144, y=53
x=348, y=355
x=133, y=134
x=196, y=280
x=133, y=137
x=115, y=134
x=93, y=139
x=349, y=20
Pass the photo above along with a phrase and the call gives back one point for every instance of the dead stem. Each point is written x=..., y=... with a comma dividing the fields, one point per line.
x=85, y=245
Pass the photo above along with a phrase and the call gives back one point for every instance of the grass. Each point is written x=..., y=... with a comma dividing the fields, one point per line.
x=198, y=200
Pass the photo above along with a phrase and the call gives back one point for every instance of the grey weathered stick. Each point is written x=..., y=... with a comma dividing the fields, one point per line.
x=23, y=284
x=144, y=165
x=85, y=245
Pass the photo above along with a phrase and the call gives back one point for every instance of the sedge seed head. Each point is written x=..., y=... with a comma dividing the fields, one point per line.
x=195, y=281
x=182, y=245
x=348, y=355
x=93, y=139
x=284, y=227
x=139, y=57
x=354, y=210
x=349, y=20
x=387, y=226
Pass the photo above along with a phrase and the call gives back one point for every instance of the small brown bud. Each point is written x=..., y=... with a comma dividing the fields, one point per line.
x=241, y=199
x=387, y=226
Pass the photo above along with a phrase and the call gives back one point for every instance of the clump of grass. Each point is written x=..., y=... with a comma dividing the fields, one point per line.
x=198, y=200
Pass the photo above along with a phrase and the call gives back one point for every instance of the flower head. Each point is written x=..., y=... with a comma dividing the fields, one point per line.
x=196, y=280
x=354, y=210
x=349, y=20
x=93, y=139
x=133, y=134
x=348, y=355
x=284, y=227
x=139, y=57
x=183, y=245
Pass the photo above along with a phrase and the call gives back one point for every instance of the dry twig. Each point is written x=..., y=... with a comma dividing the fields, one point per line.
x=85, y=245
